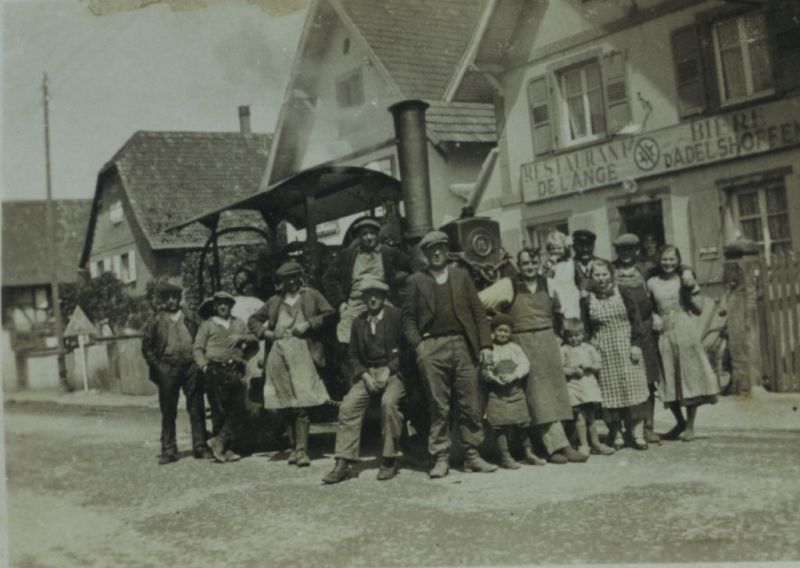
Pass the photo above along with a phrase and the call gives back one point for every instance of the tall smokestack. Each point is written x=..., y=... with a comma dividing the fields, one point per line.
x=244, y=120
x=412, y=151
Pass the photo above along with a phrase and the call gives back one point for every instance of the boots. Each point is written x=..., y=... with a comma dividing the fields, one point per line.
x=301, y=427
x=475, y=463
x=573, y=455
x=530, y=457
x=217, y=447
x=507, y=461
x=340, y=472
x=441, y=467
x=290, y=433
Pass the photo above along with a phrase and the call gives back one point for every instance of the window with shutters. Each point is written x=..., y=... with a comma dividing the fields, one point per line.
x=579, y=102
x=582, y=112
x=743, y=57
x=761, y=212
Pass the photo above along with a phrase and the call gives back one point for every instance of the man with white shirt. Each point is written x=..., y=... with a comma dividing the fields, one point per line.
x=221, y=349
x=374, y=353
x=444, y=320
x=167, y=349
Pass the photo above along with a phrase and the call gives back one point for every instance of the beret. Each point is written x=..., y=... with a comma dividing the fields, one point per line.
x=359, y=224
x=167, y=289
x=502, y=319
x=582, y=235
x=626, y=240
x=289, y=268
x=432, y=238
x=372, y=284
x=221, y=295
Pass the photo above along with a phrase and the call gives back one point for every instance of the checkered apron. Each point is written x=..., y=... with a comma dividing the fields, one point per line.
x=622, y=383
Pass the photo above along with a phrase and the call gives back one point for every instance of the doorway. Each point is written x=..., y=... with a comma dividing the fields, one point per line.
x=643, y=219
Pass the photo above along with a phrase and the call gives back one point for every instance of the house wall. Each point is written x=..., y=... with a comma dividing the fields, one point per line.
x=691, y=171
x=113, y=239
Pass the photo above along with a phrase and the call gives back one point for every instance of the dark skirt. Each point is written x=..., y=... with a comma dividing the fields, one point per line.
x=507, y=405
x=635, y=412
x=546, y=389
x=648, y=343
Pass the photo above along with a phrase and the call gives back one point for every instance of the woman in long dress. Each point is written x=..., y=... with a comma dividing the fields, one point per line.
x=689, y=379
x=535, y=311
x=611, y=319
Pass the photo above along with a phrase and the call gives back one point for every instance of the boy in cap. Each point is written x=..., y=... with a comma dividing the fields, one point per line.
x=167, y=349
x=374, y=354
x=365, y=258
x=289, y=323
x=445, y=322
x=221, y=350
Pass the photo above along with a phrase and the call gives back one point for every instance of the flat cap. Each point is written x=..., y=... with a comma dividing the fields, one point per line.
x=169, y=289
x=583, y=236
x=372, y=284
x=224, y=296
x=502, y=319
x=626, y=240
x=289, y=268
x=359, y=224
x=433, y=238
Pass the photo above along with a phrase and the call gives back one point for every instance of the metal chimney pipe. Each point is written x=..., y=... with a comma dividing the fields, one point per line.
x=244, y=120
x=412, y=151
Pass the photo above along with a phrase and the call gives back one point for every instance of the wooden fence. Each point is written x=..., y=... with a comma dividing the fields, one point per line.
x=779, y=322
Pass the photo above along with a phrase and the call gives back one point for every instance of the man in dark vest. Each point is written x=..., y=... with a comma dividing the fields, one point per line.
x=375, y=362
x=167, y=348
x=444, y=320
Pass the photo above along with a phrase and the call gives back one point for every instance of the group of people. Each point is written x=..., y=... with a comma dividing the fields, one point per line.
x=570, y=341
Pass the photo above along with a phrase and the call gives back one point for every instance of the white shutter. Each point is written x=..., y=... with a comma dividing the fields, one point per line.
x=93, y=269
x=118, y=266
x=132, y=266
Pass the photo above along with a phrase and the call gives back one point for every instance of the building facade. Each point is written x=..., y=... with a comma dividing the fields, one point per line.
x=675, y=118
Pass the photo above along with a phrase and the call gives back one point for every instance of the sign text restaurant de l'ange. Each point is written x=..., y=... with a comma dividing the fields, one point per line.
x=702, y=141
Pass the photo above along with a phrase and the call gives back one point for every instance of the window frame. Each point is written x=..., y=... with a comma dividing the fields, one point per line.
x=765, y=242
x=116, y=213
x=564, y=119
x=739, y=17
x=344, y=93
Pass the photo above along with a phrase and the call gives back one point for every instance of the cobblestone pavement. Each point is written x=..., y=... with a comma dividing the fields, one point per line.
x=84, y=490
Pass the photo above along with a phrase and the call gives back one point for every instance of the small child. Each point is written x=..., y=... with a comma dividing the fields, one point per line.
x=581, y=362
x=507, y=408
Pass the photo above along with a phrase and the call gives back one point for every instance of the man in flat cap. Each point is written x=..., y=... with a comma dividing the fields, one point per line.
x=444, y=320
x=221, y=349
x=167, y=349
x=374, y=353
x=289, y=323
x=365, y=258
x=632, y=274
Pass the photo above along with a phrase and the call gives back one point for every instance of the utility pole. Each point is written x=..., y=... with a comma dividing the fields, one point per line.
x=52, y=245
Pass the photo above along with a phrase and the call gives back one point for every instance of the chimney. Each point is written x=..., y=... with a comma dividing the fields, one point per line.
x=244, y=120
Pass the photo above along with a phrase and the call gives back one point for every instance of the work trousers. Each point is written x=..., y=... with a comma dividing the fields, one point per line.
x=172, y=378
x=553, y=436
x=226, y=395
x=450, y=374
x=351, y=418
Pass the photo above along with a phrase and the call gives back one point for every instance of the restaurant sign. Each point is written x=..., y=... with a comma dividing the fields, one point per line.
x=701, y=141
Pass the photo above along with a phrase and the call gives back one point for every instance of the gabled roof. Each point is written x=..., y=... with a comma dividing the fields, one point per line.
x=26, y=252
x=169, y=177
x=461, y=122
x=420, y=42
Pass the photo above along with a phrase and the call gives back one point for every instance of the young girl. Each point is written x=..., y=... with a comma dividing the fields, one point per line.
x=507, y=408
x=581, y=363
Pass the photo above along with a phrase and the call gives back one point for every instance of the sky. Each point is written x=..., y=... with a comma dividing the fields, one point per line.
x=184, y=66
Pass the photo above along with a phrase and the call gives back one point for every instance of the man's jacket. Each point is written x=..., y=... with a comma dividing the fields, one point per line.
x=419, y=308
x=392, y=327
x=156, y=331
x=315, y=309
x=338, y=279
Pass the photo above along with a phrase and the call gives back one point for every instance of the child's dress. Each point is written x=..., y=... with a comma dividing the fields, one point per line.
x=584, y=389
x=507, y=404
